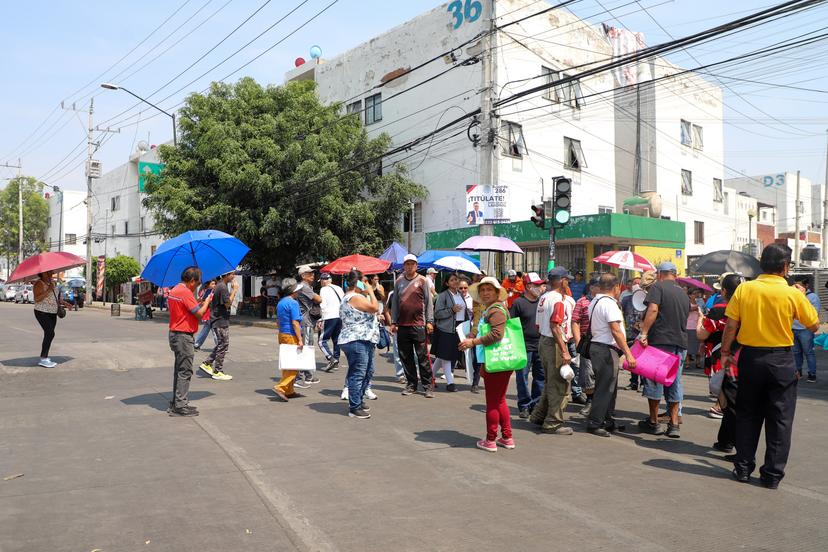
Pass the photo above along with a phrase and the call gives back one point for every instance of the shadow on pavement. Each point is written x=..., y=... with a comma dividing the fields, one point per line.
x=703, y=468
x=32, y=361
x=448, y=437
x=162, y=402
x=330, y=408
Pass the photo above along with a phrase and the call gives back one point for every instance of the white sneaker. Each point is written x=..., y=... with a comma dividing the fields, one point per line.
x=46, y=363
x=344, y=395
x=370, y=395
x=442, y=376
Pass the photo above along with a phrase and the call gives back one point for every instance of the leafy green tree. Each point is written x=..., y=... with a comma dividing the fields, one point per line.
x=242, y=163
x=120, y=269
x=35, y=217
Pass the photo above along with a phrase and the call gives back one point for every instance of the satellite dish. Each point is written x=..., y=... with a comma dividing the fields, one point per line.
x=143, y=146
x=638, y=298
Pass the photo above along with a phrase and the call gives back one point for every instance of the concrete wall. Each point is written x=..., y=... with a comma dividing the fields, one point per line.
x=74, y=222
x=779, y=189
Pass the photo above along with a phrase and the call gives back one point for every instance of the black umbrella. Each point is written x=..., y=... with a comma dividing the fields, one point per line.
x=719, y=262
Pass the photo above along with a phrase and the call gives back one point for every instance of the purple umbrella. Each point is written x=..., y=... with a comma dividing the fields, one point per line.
x=693, y=283
x=490, y=243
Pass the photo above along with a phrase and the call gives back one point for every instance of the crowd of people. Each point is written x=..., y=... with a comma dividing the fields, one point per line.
x=749, y=334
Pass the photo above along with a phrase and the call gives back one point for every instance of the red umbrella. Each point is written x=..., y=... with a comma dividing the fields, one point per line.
x=363, y=263
x=625, y=259
x=55, y=261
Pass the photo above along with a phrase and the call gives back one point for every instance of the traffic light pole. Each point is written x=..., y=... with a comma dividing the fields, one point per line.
x=551, y=264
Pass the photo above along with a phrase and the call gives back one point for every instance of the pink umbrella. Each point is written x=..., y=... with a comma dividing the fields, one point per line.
x=626, y=260
x=693, y=283
x=55, y=261
x=490, y=243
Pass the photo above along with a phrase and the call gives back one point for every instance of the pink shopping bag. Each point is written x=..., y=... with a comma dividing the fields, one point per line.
x=654, y=364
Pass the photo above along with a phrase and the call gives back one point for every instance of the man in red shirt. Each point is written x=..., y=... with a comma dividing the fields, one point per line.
x=514, y=287
x=185, y=312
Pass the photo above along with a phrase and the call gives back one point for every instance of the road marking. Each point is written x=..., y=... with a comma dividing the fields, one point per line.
x=298, y=528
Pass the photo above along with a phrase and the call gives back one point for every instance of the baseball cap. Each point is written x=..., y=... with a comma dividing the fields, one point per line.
x=409, y=257
x=297, y=287
x=431, y=270
x=559, y=272
x=304, y=269
x=532, y=278
x=667, y=266
x=324, y=276
x=511, y=273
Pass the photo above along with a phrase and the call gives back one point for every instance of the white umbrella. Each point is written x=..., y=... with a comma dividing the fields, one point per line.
x=452, y=262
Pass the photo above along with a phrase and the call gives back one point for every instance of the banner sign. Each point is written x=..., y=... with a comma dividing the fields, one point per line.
x=147, y=168
x=99, y=289
x=487, y=204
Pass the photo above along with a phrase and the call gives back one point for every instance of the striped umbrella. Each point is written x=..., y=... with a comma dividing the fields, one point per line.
x=626, y=260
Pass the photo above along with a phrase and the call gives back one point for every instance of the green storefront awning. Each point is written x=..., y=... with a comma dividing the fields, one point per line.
x=609, y=228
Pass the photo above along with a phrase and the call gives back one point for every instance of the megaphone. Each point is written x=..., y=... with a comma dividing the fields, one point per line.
x=638, y=298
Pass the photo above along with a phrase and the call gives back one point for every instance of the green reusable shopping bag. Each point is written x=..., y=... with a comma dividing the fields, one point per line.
x=510, y=352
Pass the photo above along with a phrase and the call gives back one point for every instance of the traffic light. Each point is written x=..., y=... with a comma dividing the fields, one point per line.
x=539, y=218
x=562, y=202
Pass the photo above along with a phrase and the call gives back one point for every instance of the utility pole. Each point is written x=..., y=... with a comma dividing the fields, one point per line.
x=19, y=168
x=824, y=243
x=488, y=124
x=796, y=236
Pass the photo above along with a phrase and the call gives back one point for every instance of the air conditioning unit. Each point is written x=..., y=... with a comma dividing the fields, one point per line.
x=94, y=168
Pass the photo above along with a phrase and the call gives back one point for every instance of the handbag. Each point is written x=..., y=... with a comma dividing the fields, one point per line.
x=586, y=339
x=715, y=383
x=61, y=310
x=384, y=339
x=508, y=354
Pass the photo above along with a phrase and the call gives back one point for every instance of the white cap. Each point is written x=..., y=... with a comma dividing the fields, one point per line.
x=431, y=270
x=512, y=273
x=409, y=257
x=304, y=269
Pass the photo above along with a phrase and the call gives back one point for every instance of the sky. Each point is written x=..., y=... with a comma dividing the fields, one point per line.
x=61, y=51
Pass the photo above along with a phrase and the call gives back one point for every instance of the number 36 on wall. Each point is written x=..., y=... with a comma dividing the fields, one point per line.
x=469, y=11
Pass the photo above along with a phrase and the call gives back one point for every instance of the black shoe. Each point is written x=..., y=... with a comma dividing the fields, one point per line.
x=649, y=427
x=579, y=399
x=359, y=413
x=409, y=390
x=429, y=393
x=673, y=431
x=729, y=457
x=475, y=389
x=451, y=388
x=632, y=387
x=612, y=427
x=185, y=412
x=769, y=483
x=727, y=449
x=811, y=379
x=599, y=431
x=741, y=476
x=365, y=407
x=524, y=414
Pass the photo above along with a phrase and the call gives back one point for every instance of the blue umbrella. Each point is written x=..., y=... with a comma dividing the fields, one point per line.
x=427, y=259
x=394, y=254
x=214, y=252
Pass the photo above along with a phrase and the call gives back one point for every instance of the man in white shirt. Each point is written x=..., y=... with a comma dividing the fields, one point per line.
x=330, y=323
x=273, y=285
x=431, y=280
x=551, y=320
x=609, y=342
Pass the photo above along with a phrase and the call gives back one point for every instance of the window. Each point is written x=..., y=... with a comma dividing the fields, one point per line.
x=698, y=232
x=569, y=93
x=800, y=206
x=355, y=107
x=686, y=133
x=141, y=225
x=418, y=219
x=152, y=250
x=726, y=202
x=577, y=96
x=764, y=216
x=686, y=182
x=551, y=93
x=126, y=227
x=373, y=109
x=698, y=137
x=573, y=155
x=602, y=209
x=718, y=196
x=115, y=203
x=70, y=239
x=112, y=230
x=512, y=140
x=48, y=222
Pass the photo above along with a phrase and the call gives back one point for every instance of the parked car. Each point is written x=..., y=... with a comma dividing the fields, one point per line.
x=24, y=294
x=9, y=292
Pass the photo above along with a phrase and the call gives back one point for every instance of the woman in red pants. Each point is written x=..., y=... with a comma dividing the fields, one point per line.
x=491, y=295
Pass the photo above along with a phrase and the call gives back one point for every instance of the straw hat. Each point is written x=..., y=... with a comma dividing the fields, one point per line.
x=488, y=280
x=648, y=279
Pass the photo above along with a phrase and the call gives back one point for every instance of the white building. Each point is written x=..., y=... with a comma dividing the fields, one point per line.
x=120, y=223
x=779, y=190
x=581, y=129
x=66, y=225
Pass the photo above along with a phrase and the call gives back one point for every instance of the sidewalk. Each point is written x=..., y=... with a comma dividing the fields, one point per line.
x=128, y=311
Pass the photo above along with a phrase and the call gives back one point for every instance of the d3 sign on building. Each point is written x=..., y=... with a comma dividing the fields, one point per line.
x=144, y=169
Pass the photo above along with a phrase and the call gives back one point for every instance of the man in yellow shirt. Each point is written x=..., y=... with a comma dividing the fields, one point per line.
x=762, y=313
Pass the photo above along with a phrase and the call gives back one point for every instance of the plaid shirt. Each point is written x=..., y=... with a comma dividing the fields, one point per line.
x=580, y=315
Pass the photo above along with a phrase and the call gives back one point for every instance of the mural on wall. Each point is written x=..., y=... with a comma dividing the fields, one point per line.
x=487, y=204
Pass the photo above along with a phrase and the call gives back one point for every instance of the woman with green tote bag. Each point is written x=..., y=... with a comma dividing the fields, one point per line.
x=491, y=295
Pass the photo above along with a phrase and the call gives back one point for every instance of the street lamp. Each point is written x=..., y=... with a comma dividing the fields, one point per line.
x=110, y=86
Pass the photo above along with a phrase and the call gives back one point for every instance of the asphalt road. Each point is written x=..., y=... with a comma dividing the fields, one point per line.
x=104, y=468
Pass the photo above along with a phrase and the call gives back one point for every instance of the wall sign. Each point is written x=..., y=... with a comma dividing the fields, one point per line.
x=778, y=180
x=468, y=11
x=487, y=204
x=144, y=169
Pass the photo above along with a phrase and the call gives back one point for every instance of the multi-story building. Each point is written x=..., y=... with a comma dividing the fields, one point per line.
x=779, y=190
x=613, y=137
x=66, y=225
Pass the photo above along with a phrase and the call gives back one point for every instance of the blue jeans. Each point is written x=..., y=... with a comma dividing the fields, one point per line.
x=360, y=355
x=330, y=330
x=526, y=399
x=804, y=346
x=201, y=337
x=675, y=392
